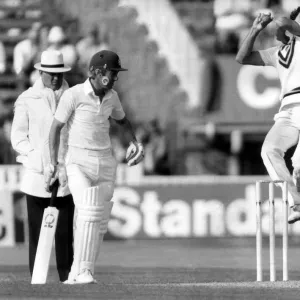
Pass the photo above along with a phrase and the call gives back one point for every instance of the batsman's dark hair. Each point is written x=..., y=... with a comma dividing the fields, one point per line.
x=294, y=14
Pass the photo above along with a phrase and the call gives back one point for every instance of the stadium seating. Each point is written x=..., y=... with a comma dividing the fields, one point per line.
x=15, y=19
x=149, y=88
x=198, y=17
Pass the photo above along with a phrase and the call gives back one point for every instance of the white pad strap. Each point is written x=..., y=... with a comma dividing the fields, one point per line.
x=106, y=215
x=103, y=227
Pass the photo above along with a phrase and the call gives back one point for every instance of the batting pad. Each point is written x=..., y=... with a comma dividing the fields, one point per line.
x=92, y=218
x=103, y=227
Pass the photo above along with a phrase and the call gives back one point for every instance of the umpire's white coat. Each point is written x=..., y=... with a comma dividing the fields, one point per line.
x=33, y=116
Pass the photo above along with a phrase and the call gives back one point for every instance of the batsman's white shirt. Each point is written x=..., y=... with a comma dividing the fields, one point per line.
x=89, y=159
x=87, y=119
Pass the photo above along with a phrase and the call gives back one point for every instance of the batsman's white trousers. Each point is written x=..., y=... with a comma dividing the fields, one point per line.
x=87, y=168
x=283, y=135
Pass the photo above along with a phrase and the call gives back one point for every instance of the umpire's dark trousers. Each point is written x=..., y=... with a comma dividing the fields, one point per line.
x=63, y=235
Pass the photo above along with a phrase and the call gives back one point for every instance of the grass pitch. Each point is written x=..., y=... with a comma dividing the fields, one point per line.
x=161, y=269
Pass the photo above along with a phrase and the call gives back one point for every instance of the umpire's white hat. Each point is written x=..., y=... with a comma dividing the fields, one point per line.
x=52, y=61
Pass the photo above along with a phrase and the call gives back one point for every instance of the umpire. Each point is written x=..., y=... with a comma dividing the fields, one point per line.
x=33, y=115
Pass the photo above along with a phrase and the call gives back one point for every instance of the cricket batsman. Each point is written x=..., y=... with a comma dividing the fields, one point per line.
x=91, y=166
x=285, y=132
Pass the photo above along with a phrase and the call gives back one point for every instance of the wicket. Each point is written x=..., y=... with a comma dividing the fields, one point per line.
x=259, y=269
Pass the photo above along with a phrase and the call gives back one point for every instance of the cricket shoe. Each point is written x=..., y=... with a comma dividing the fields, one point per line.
x=69, y=281
x=85, y=277
x=294, y=215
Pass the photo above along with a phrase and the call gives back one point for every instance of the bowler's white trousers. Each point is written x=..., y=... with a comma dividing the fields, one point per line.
x=283, y=135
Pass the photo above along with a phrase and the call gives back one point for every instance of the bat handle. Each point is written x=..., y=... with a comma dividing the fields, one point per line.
x=54, y=190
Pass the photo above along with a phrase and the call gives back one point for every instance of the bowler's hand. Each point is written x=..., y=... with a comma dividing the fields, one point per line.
x=262, y=21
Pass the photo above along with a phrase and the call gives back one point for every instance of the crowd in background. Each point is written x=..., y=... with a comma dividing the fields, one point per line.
x=41, y=37
x=27, y=52
x=232, y=19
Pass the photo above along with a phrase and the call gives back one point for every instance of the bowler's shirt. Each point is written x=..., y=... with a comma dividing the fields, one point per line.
x=286, y=59
x=87, y=118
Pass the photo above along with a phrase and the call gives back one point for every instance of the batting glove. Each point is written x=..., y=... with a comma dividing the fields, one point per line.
x=135, y=153
x=51, y=173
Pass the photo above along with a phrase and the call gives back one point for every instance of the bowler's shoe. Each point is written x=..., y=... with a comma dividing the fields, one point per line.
x=294, y=217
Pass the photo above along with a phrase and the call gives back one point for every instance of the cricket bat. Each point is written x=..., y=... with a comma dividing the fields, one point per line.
x=46, y=238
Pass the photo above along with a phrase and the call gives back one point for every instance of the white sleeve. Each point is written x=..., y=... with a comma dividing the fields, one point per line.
x=20, y=128
x=269, y=56
x=66, y=107
x=117, y=112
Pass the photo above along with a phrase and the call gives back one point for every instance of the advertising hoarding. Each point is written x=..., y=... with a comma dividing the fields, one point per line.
x=162, y=207
x=7, y=229
x=191, y=210
x=249, y=95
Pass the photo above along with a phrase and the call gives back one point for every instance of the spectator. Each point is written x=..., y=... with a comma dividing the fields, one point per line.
x=25, y=55
x=231, y=17
x=44, y=33
x=57, y=40
x=155, y=145
x=289, y=5
x=2, y=58
x=7, y=153
x=143, y=134
x=88, y=46
x=160, y=153
x=43, y=45
x=211, y=86
x=119, y=150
